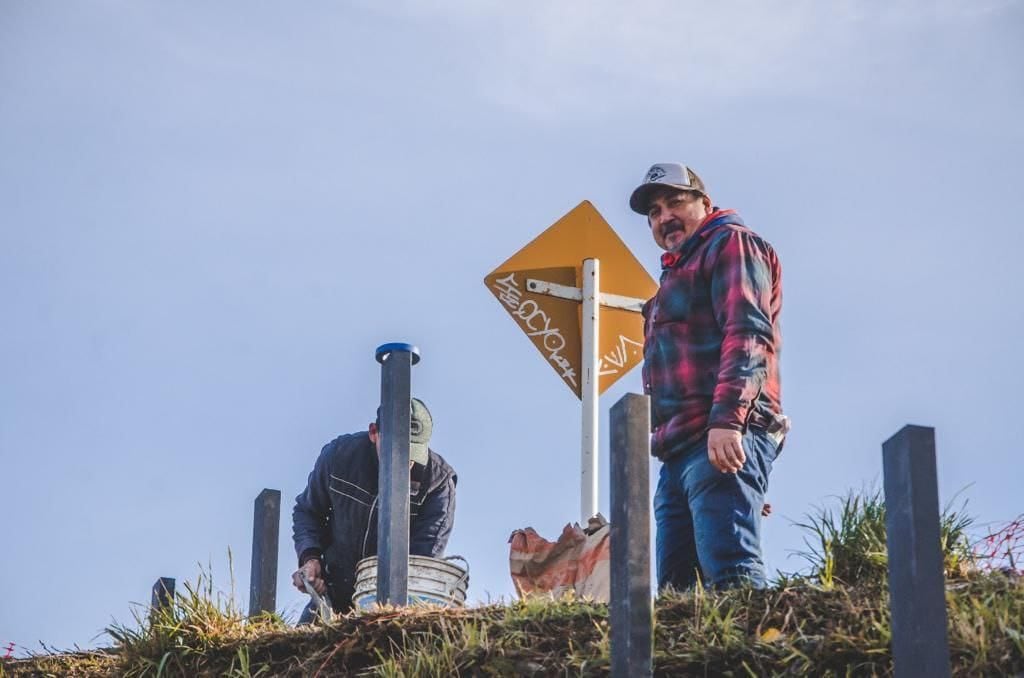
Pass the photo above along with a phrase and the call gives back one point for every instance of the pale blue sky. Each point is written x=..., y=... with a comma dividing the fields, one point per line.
x=212, y=213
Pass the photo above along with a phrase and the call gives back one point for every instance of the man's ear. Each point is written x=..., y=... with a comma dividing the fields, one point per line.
x=707, y=202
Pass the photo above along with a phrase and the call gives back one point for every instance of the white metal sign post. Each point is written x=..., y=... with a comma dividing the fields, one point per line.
x=590, y=327
x=592, y=299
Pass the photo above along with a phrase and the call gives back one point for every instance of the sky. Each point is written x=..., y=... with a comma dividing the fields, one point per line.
x=211, y=214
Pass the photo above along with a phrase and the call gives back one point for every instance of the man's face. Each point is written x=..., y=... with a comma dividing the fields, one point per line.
x=675, y=215
x=375, y=439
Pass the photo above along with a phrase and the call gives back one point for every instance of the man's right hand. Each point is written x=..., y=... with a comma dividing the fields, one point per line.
x=725, y=450
x=313, y=573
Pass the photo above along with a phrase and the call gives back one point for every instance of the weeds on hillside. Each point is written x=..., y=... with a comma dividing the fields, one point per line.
x=201, y=618
x=796, y=629
x=847, y=545
x=831, y=621
x=178, y=636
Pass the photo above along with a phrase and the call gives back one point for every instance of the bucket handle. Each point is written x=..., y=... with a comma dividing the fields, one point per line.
x=461, y=579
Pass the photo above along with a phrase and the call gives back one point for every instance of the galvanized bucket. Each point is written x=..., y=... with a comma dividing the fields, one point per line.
x=432, y=581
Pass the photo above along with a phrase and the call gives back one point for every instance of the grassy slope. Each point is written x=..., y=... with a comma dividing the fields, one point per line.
x=794, y=628
x=832, y=621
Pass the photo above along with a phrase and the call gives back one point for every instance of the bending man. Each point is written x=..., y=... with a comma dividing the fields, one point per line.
x=334, y=523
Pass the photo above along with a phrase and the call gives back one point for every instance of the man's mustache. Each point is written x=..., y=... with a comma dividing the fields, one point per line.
x=670, y=227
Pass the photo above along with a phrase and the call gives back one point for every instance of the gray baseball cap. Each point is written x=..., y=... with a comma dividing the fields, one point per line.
x=670, y=174
x=421, y=425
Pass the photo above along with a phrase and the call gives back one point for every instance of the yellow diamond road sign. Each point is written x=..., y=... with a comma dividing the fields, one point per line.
x=553, y=324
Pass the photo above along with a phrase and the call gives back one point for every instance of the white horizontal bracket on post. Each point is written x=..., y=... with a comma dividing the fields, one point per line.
x=576, y=294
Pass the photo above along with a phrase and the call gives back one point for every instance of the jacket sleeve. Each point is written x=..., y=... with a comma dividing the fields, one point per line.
x=312, y=509
x=433, y=525
x=741, y=297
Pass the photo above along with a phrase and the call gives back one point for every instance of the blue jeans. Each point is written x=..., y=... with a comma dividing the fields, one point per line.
x=710, y=522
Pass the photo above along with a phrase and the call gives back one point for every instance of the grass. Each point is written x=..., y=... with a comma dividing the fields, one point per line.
x=830, y=621
x=200, y=621
x=846, y=545
x=797, y=627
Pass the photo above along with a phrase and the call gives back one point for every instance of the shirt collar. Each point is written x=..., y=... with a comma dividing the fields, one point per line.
x=670, y=259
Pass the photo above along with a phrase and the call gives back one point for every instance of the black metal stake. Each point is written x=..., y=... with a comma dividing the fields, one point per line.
x=393, y=477
x=163, y=593
x=266, y=525
x=917, y=591
x=630, y=609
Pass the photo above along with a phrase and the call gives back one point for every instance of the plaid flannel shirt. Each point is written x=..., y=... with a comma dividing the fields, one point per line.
x=711, y=337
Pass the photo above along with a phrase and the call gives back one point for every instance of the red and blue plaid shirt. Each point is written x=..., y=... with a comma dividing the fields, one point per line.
x=711, y=336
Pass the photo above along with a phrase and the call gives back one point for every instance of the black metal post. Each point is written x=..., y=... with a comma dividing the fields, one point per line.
x=163, y=593
x=266, y=525
x=630, y=608
x=393, y=477
x=917, y=594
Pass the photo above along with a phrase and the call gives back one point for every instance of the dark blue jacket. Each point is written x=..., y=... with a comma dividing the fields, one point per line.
x=335, y=517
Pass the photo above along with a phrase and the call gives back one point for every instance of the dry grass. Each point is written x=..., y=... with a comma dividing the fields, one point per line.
x=830, y=621
x=794, y=628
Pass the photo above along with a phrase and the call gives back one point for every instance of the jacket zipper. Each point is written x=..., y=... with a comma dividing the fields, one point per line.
x=369, y=523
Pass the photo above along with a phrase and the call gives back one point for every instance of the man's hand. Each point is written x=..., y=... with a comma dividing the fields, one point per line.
x=725, y=449
x=313, y=574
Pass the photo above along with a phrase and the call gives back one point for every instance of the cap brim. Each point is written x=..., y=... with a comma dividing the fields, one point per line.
x=419, y=453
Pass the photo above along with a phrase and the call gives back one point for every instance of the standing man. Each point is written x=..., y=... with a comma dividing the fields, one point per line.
x=711, y=368
x=334, y=523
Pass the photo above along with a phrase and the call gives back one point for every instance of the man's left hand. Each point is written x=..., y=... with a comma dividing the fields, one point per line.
x=725, y=449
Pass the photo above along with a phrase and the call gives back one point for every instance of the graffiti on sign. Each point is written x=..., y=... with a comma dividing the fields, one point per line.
x=537, y=325
x=612, y=362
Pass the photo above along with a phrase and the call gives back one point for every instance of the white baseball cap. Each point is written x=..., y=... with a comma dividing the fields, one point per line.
x=670, y=174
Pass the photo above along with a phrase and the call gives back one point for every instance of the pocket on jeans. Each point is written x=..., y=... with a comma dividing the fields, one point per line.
x=760, y=449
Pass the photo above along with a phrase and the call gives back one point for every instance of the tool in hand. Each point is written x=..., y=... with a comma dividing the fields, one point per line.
x=323, y=603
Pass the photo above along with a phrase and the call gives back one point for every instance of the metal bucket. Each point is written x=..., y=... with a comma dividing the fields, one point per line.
x=432, y=581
